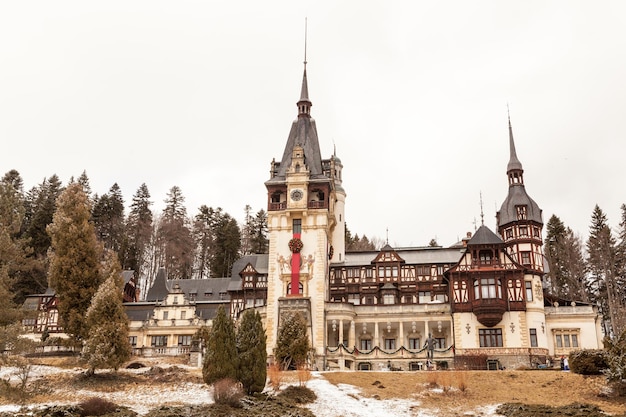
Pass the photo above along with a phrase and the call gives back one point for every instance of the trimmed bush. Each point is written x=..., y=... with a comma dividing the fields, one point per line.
x=96, y=406
x=298, y=394
x=227, y=391
x=588, y=361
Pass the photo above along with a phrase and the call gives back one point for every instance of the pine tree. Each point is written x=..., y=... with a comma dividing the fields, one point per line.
x=260, y=242
x=203, y=237
x=43, y=202
x=174, y=237
x=226, y=248
x=16, y=263
x=107, y=346
x=252, y=353
x=108, y=219
x=139, y=235
x=220, y=360
x=292, y=345
x=555, y=235
x=601, y=260
x=75, y=261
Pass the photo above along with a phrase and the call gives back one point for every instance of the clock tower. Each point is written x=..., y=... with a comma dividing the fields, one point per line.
x=306, y=229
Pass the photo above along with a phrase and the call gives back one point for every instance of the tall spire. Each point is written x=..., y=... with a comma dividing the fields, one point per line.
x=304, y=104
x=514, y=163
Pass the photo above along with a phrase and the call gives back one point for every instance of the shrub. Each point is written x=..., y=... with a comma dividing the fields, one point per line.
x=588, y=361
x=298, y=394
x=227, y=391
x=96, y=406
x=616, y=360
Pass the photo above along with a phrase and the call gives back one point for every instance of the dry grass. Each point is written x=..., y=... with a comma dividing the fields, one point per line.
x=304, y=375
x=275, y=376
x=458, y=391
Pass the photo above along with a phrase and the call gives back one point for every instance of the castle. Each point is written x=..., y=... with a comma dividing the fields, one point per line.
x=480, y=300
x=477, y=304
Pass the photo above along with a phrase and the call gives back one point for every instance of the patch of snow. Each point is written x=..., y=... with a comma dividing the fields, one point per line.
x=345, y=400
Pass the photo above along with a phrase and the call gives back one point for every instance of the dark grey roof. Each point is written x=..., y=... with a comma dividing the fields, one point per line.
x=518, y=197
x=137, y=311
x=303, y=133
x=420, y=255
x=258, y=261
x=484, y=236
x=514, y=163
x=209, y=289
x=159, y=289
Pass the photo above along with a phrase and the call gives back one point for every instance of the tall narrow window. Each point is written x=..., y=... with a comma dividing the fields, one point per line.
x=533, y=337
x=297, y=226
x=529, y=290
x=390, y=344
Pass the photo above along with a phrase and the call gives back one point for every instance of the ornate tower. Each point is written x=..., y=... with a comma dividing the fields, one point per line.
x=520, y=225
x=306, y=227
x=519, y=219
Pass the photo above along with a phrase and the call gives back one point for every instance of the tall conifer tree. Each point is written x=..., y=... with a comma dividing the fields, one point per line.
x=252, y=353
x=107, y=345
x=220, y=360
x=75, y=265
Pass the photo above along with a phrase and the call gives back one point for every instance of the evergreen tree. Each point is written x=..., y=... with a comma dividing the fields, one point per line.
x=554, y=248
x=251, y=352
x=16, y=264
x=108, y=219
x=601, y=259
x=139, y=234
x=43, y=202
x=220, y=360
x=203, y=236
x=292, y=345
x=174, y=237
x=75, y=265
x=107, y=345
x=259, y=241
x=226, y=248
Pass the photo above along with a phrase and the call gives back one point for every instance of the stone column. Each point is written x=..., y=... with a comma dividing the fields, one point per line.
x=352, y=335
x=340, y=331
x=401, y=333
x=376, y=341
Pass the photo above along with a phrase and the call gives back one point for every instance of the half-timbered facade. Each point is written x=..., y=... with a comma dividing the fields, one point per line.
x=480, y=299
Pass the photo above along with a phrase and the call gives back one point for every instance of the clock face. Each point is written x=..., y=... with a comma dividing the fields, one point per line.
x=296, y=195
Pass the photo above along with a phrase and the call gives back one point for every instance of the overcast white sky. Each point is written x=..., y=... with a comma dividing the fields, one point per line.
x=413, y=94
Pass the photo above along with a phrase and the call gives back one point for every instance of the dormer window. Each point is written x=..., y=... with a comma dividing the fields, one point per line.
x=485, y=256
x=521, y=212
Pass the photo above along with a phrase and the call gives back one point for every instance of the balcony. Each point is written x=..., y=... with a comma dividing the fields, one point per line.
x=489, y=311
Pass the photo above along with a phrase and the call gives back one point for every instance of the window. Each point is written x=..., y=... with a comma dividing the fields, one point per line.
x=525, y=258
x=508, y=233
x=521, y=212
x=485, y=288
x=175, y=299
x=354, y=299
x=249, y=302
x=366, y=344
x=414, y=343
x=184, y=340
x=159, y=341
x=390, y=344
x=533, y=338
x=297, y=226
x=490, y=337
x=183, y=315
x=523, y=231
x=485, y=257
x=440, y=342
x=132, y=340
x=192, y=296
x=424, y=297
x=389, y=299
x=165, y=314
x=566, y=339
x=529, y=290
